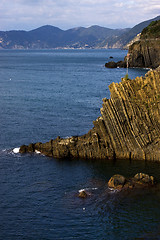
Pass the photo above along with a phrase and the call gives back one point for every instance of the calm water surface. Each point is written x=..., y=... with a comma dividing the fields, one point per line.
x=44, y=94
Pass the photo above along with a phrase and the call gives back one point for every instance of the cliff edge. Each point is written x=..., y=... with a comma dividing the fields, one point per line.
x=129, y=125
x=145, y=52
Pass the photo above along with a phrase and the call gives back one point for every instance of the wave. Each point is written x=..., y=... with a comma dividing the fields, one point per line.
x=4, y=150
x=87, y=189
x=38, y=152
x=9, y=152
x=15, y=150
x=112, y=190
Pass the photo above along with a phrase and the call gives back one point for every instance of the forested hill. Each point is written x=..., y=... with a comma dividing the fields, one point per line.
x=48, y=37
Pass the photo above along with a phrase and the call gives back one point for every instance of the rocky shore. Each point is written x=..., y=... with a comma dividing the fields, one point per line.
x=128, y=128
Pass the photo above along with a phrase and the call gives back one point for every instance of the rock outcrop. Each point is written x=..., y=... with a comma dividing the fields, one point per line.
x=140, y=180
x=83, y=194
x=117, y=181
x=141, y=54
x=128, y=128
x=112, y=64
x=144, y=53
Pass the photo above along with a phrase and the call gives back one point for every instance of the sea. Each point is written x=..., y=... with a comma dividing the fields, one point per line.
x=50, y=93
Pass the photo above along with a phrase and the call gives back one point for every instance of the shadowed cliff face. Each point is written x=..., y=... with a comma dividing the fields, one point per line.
x=141, y=54
x=129, y=125
x=145, y=53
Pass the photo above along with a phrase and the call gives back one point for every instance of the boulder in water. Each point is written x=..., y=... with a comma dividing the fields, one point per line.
x=83, y=194
x=117, y=181
x=111, y=64
x=144, y=178
x=140, y=180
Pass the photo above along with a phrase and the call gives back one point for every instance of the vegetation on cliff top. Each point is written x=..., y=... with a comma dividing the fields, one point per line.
x=152, y=31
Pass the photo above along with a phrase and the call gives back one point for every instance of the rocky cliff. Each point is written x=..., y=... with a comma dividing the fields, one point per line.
x=129, y=125
x=146, y=51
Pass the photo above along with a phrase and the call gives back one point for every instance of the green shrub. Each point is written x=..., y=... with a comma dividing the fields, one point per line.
x=152, y=31
x=126, y=77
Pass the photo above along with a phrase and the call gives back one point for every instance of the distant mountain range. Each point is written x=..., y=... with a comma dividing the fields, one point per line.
x=50, y=37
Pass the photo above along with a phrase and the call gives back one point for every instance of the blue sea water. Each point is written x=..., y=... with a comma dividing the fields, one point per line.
x=50, y=93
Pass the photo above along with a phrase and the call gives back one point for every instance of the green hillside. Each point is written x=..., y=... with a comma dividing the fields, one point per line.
x=152, y=31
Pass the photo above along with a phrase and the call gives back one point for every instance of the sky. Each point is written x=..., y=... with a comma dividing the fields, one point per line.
x=66, y=14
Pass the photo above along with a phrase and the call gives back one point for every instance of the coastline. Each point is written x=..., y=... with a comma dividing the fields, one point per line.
x=128, y=127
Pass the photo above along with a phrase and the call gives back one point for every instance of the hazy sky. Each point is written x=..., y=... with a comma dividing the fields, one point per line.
x=65, y=14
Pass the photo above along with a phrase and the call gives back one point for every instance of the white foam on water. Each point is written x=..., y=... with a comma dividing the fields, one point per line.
x=94, y=188
x=81, y=190
x=112, y=190
x=147, y=69
x=85, y=189
x=16, y=150
x=38, y=152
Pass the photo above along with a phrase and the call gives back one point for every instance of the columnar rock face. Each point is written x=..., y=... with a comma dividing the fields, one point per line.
x=129, y=125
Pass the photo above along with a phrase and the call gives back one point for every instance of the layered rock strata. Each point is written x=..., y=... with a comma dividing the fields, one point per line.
x=128, y=128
